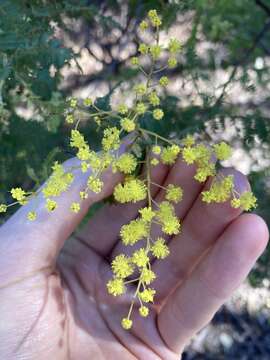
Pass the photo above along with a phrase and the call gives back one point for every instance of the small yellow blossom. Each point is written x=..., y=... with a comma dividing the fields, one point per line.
x=122, y=266
x=154, y=99
x=126, y=323
x=169, y=154
x=83, y=195
x=122, y=109
x=147, y=214
x=116, y=287
x=154, y=162
x=248, y=200
x=75, y=207
x=87, y=102
x=127, y=124
x=131, y=191
x=172, y=62
x=155, y=51
x=164, y=81
x=144, y=311
x=141, y=108
x=143, y=25
x=154, y=18
x=18, y=194
x=3, y=208
x=222, y=151
x=140, y=258
x=126, y=163
x=51, y=205
x=156, y=149
x=143, y=49
x=70, y=118
x=174, y=46
x=32, y=215
x=94, y=184
x=73, y=102
x=158, y=114
x=135, y=60
x=147, y=276
x=140, y=89
x=235, y=203
x=147, y=295
x=174, y=193
x=111, y=140
x=159, y=249
x=134, y=231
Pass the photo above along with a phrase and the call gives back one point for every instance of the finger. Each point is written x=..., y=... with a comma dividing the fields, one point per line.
x=200, y=229
x=34, y=245
x=194, y=303
x=182, y=175
x=103, y=238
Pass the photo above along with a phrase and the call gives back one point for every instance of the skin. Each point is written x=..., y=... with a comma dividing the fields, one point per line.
x=53, y=298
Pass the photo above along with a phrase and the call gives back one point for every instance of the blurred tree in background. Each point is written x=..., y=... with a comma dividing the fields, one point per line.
x=50, y=50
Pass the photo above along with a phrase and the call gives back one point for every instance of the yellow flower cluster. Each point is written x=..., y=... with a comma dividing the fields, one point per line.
x=136, y=268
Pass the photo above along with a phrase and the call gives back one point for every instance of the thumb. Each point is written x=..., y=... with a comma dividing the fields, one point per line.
x=26, y=246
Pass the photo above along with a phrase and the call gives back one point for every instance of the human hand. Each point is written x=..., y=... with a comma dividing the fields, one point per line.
x=53, y=298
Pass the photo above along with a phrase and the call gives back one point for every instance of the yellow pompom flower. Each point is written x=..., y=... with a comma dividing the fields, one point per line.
x=32, y=215
x=172, y=62
x=122, y=266
x=235, y=203
x=134, y=231
x=75, y=207
x=73, y=102
x=144, y=311
x=116, y=287
x=188, y=141
x=220, y=191
x=126, y=163
x=189, y=155
x=147, y=276
x=122, y=109
x=134, y=60
x=111, y=140
x=18, y=194
x=222, y=151
x=51, y=205
x=174, y=193
x=127, y=124
x=154, y=99
x=164, y=81
x=87, y=102
x=131, y=191
x=143, y=48
x=159, y=249
x=154, y=18
x=70, y=119
x=156, y=149
x=126, y=323
x=143, y=25
x=155, y=51
x=248, y=201
x=147, y=295
x=169, y=154
x=154, y=162
x=174, y=46
x=158, y=114
x=83, y=195
x=203, y=172
x=140, y=89
x=140, y=258
x=3, y=208
x=94, y=184
x=171, y=226
x=77, y=139
x=147, y=214
x=141, y=108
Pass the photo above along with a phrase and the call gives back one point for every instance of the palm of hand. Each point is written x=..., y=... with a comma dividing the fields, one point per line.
x=60, y=308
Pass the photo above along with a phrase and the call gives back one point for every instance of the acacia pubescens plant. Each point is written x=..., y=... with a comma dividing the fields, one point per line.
x=136, y=268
